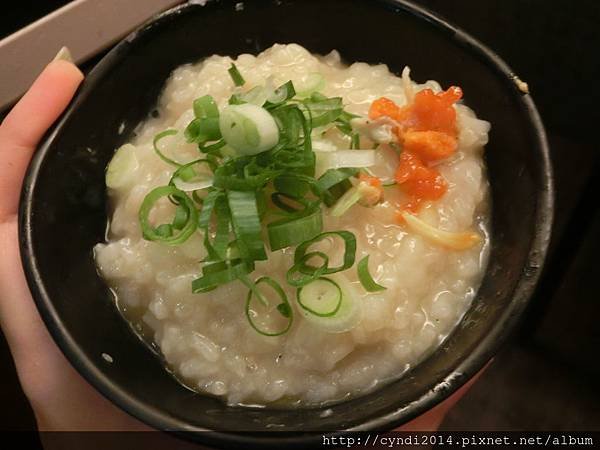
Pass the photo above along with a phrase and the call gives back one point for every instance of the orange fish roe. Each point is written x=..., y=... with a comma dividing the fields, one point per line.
x=427, y=132
x=429, y=145
x=434, y=112
x=384, y=107
x=418, y=181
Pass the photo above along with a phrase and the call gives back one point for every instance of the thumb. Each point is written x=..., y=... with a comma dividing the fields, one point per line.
x=25, y=125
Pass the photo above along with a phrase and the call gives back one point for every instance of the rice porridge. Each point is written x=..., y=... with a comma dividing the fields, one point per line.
x=426, y=254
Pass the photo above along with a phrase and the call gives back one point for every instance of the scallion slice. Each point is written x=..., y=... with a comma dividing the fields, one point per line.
x=321, y=297
x=283, y=93
x=333, y=184
x=212, y=148
x=236, y=76
x=299, y=274
x=365, y=277
x=246, y=224
x=217, y=274
x=121, y=167
x=161, y=155
x=291, y=231
x=345, y=202
x=288, y=204
x=283, y=307
x=161, y=232
x=262, y=142
x=186, y=179
x=203, y=130
x=248, y=128
x=258, y=96
x=347, y=158
x=347, y=315
x=291, y=185
x=322, y=110
x=349, y=250
x=204, y=107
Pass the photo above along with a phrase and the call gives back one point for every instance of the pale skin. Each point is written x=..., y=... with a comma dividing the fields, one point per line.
x=60, y=397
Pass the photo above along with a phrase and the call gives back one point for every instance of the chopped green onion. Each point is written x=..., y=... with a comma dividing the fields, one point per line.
x=322, y=110
x=165, y=230
x=283, y=308
x=355, y=141
x=186, y=179
x=121, y=166
x=212, y=148
x=186, y=173
x=347, y=315
x=365, y=277
x=283, y=93
x=257, y=96
x=248, y=128
x=278, y=200
x=321, y=297
x=181, y=217
x=331, y=181
x=220, y=242
x=291, y=185
x=208, y=205
x=343, y=123
x=186, y=229
x=246, y=224
x=203, y=130
x=345, y=202
x=291, y=231
x=205, y=107
x=347, y=158
x=161, y=155
x=335, y=176
x=298, y=275
x=260, y=142
x=241, y=174
x=289, y=120
x=236, y=76
x=217, y=274
x=349, y=249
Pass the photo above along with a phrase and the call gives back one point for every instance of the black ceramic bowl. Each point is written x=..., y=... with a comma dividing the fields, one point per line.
x=63, y=207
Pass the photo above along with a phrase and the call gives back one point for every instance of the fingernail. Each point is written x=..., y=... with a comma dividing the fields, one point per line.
x=64, y=54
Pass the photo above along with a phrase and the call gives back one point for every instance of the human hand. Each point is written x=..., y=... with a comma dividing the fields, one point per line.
x=60, y=397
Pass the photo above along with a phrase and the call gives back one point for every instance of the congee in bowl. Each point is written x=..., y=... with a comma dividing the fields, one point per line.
x=289, y=229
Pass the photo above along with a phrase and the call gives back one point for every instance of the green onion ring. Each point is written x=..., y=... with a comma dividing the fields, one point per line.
x=296, y=228
x=306, y=276
x=349, y=251
x=365, y=277
x=277, y=199
x=284, y=307
x=183, y=168
x=317, y=313
x=151, y=233
x=217, y=274
x=161, y=155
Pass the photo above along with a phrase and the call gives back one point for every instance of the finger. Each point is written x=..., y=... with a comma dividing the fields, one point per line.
x=25, y=125
x=21, y=324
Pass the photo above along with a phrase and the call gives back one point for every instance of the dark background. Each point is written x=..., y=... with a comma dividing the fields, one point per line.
x=546, y=377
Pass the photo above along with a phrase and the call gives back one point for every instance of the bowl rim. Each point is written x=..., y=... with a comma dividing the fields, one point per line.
x=472, y=362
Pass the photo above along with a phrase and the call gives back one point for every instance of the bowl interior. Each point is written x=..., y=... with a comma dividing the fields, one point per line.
x=64, y=212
